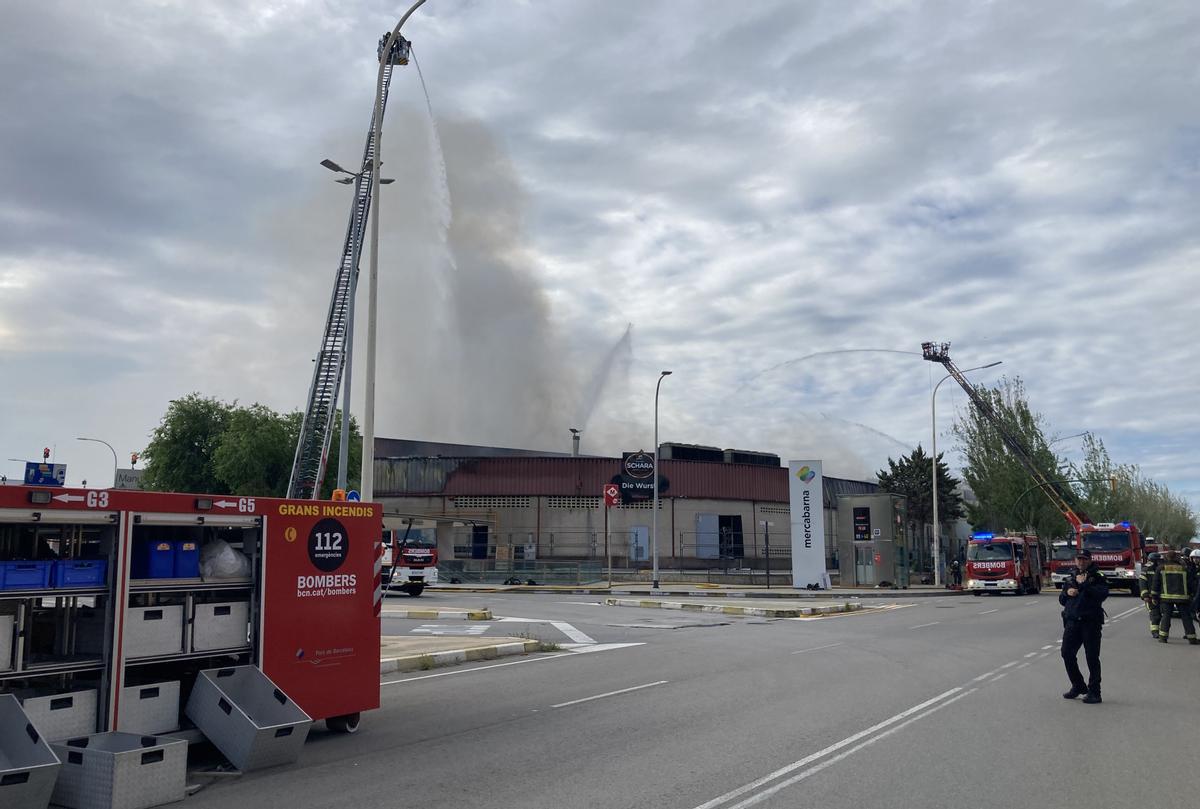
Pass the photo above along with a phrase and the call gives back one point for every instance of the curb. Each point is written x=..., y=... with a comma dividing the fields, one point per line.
x=453, y=657
x=762, y=612
x=469, y=615
x=604, y=591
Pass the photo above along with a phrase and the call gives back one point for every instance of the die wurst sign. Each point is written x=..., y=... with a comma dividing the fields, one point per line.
x=636, y=480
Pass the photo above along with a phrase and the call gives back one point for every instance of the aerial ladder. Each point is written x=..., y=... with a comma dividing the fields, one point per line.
x=1060, y=495
x=312, y=448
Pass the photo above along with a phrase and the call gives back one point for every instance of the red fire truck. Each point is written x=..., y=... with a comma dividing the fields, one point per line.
x=1004, y=563
x=104, y=591
x=410, y=559
x=1116, y=547
x=1117, y=550
x=1062, y=559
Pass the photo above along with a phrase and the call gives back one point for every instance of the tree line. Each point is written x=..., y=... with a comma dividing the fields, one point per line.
x=204, y=445
x=1005, y=497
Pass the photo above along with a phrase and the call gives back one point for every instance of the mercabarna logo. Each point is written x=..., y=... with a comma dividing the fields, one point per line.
x=806, y=474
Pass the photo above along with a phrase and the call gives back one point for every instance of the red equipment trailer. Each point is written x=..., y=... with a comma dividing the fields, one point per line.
x=83, y=572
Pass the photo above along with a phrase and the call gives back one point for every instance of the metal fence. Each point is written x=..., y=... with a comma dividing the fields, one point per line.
x=502, y=571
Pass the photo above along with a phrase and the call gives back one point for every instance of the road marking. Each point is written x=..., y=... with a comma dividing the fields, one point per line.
x=772, y=790
x=1023, y=665
x=1048, y=646
x=988, y=612
x=610, y=694
x=562, y=626
x=983, y=676
x=1043, y=654
x=588, y=648
x=1129, y=611
x=858, y=612
x=817, y=648
x=999, y=676
x=479, y=668
x=446, y=629
x=1010, y=664
x=1031, y=654
x=922, y=626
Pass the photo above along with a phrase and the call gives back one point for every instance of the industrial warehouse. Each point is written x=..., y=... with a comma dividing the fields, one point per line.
x=493, y=511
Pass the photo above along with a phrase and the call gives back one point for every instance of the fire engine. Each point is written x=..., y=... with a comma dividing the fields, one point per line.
x=1062, y=559
x=1004, y=563
x=410, y=559
x=1116, y=547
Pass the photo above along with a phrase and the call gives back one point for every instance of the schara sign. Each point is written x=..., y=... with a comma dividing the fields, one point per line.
x=636, y=480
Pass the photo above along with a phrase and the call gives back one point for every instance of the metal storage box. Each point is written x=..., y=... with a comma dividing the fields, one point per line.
x=247, y=718
x=60, y=716
x=28, y=767
x=149, y=709
x=220, y=626
x=120, y=771
x=7, y=622
x=151, y=631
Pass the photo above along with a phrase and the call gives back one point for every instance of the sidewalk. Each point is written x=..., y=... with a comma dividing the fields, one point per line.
x=703, y=591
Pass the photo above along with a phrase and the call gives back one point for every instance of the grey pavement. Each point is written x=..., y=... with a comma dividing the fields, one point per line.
x=702, y=590
x=941, y=702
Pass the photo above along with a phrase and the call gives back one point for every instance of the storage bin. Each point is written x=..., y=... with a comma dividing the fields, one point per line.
x=187, y=559
x=247, y=718
x=28, y=767
x=151, y=631
x=150, y=709
x=152, y=559
x=120, y=771
x=7, y=630
x=25, y=575
x=60, y=716
x=79, y=573
x=220, y=626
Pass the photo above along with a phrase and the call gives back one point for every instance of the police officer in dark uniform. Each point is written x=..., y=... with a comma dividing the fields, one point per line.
x=1146, y=584
x=1081, y=598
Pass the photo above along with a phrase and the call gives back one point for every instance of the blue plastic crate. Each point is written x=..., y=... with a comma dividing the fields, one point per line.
x=187, y=558
x=153, y=559
x=25, y=575
x=79, y=573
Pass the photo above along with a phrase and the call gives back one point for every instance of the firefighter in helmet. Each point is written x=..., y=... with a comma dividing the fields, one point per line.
x=1149, y=572
x=1194, y=556
x=1174, y=585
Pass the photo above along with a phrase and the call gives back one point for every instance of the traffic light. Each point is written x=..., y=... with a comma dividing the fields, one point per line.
x=46, y=453
x=133, y=458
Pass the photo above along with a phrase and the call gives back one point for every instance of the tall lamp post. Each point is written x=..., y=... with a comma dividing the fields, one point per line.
x=110, y=449
x=368, y=455
x=348, y=365
x=654, y=518
x=936, y=547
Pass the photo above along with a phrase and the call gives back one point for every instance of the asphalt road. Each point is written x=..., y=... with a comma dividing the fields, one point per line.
x=948, y=702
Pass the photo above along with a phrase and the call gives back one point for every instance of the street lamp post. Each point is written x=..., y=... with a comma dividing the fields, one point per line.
x=348, y=364
x=936, y=547
x=654, y=517
x=368, y=460
x=110, y=449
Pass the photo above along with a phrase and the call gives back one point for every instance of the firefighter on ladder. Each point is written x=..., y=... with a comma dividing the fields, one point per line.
x=1149, y=573
x=1174, y=586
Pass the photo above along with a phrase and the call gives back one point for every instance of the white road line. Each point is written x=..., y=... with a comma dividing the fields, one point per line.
x=983, y=676
x=849, y=740
x=1043, y=654
x=1048, y=646
x=1023, y=665
x=999, y=676
x=610, y=694
x=1010, y=664
x=1031, y=654
x=922, y=626
x=817, y=648
x=988, y=612
x=571, y=632
x=772, y=790
x=1129, y=611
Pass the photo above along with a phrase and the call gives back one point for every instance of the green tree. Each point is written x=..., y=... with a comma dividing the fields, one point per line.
x=179, y=457
x=203, y=445
x=1000, y=483
x=912, y=476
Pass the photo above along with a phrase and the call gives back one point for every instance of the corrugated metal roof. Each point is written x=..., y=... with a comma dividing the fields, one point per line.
x=531, y=476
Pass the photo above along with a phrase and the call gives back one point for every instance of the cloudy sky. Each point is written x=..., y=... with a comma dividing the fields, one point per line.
x=732, y=191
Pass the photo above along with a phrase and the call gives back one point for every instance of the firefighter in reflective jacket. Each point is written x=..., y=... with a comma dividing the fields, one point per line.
x=1174, y=586
x=1149, y=572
